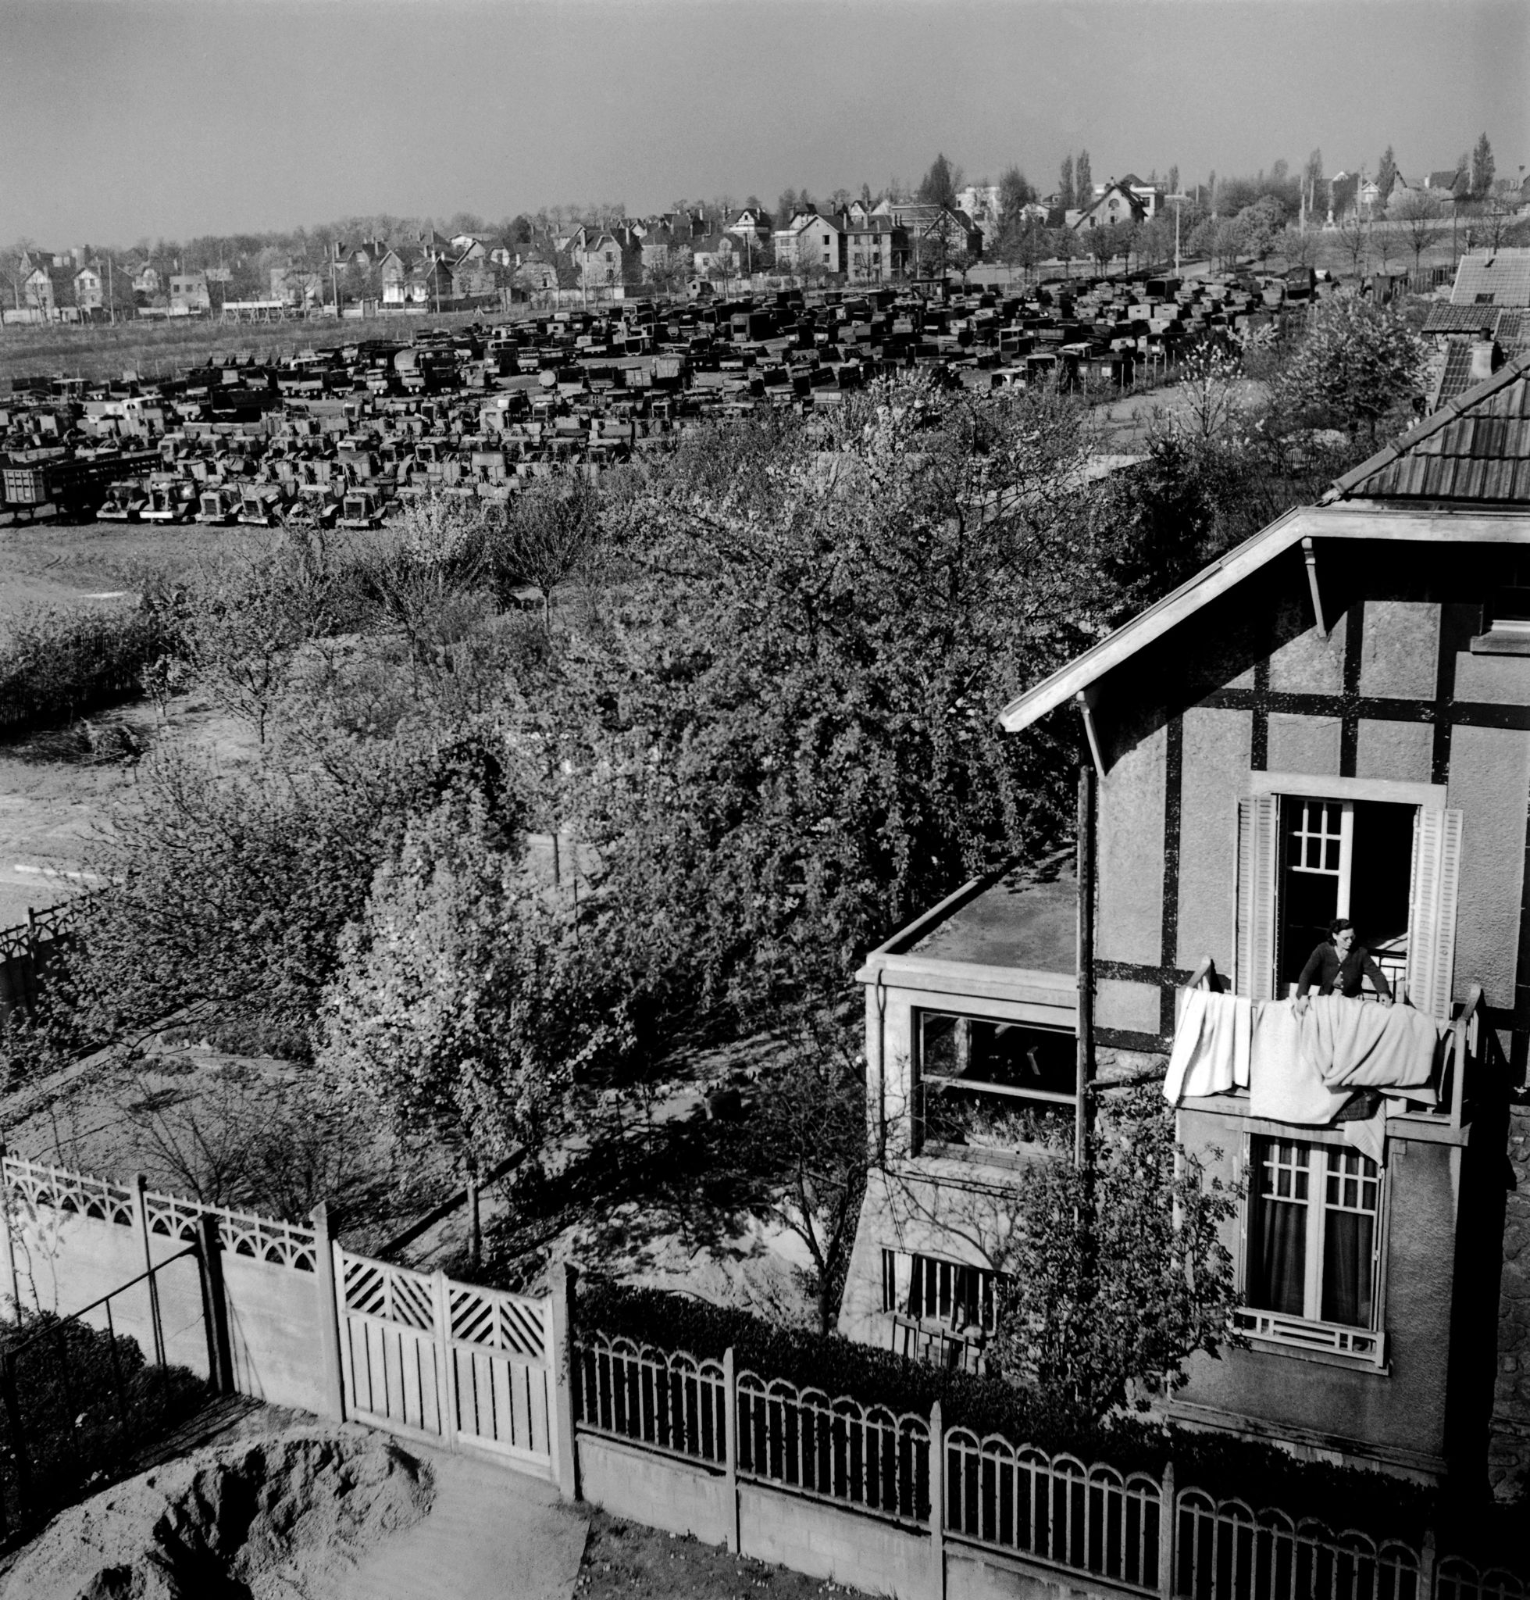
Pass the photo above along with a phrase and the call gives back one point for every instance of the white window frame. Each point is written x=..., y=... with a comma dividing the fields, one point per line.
x=1309, y=1332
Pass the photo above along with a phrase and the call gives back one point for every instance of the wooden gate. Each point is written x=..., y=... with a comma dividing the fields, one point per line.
x=450, y=1363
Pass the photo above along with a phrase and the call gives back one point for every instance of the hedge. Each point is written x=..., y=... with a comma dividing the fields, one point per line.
x=1227, y=1467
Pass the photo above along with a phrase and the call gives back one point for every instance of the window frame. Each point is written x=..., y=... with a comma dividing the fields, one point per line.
x=1312, y=1336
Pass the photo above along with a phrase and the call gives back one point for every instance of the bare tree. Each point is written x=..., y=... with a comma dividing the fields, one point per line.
x=1419, y=213
x=1355, y=241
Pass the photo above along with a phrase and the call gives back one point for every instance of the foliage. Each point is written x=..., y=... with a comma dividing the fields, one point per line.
x=88, y=1410
x=461, y=1003
x=1358, y=362
x=59, y=665
x=1419, y=213
x=813, y=1120
x=555, y=533
x=1483, y=167
x=1116, y=1271
x=788, y=723
x=940, y=183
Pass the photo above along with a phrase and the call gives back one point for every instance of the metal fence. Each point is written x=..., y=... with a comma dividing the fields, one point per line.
x=668, y=1400
x=1055, y=1509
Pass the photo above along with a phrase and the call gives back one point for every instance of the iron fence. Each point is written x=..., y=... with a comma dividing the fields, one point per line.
x=669, y=1400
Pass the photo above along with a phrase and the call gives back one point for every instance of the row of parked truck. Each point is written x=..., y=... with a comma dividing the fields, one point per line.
x=348, y=433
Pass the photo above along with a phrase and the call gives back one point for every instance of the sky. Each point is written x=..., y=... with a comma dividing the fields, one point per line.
x=126, y=119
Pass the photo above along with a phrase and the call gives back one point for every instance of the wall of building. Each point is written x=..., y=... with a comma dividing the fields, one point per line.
x=1396, y=1416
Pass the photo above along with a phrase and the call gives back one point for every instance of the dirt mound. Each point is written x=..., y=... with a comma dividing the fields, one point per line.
x=275, y=1517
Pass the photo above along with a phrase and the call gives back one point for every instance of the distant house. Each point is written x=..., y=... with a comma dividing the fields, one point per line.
x=189, y=292
x=717, y=254
x=608, y=258
x=474, y=274
x=393, y=273
x=145, y=279
x=934, y=232
x=876, y=250
x=89, y=290
x=47, y=288
x=752, y=228
x=1493, y=278
x=1449, y=185
x=810, y=240
x=1114, y=205
x=981, y=203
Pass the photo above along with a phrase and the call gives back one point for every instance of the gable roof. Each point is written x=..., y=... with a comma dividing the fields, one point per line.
x=1475, y=454
x=1504, y=274
x=1444, y=318
x=1475, y=449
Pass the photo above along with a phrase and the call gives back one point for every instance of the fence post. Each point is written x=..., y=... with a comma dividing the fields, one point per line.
x=1168, y=1525
x=10, y=1288
x=563, y=1308
x=446, y=1379
x=329, y=1311
x=1426, y=1565
x=937, y=1504
x=220, y=1356
x=141, y=1212
x=730, y=1447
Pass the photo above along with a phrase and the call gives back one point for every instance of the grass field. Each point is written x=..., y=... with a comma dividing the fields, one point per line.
x=155, y=349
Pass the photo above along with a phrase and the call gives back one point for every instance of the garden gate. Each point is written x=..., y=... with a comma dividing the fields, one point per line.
x=446, y=1362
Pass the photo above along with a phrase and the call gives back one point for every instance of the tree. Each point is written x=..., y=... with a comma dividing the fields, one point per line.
x=1015, y=193
x=554, y=532
x=1174, y=179
x=1298, y=246
x=940, y=183
x=1083, y=179
x=1065, y=190
x=1358, y=362
x=1419, y=213
x=1258, y=227
x=812, y=1124
x=1499, y=209
x=1482, y=168
x=1386, y=175
x=459, y=1008
x=1115, y=1272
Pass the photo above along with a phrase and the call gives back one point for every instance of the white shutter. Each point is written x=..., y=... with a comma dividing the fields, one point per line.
x=903, y=1281
x=1432, y=911
x=1258, y=837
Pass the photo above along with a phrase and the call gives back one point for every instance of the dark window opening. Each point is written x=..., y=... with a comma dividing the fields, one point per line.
x=1344, y=858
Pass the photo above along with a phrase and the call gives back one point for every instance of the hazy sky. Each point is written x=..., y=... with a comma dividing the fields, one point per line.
x=126, y=118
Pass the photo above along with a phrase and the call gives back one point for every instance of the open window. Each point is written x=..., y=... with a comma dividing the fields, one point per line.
x=988, y=1086
x=942, y=1311
x=1312, y=1248
x=1392, y=869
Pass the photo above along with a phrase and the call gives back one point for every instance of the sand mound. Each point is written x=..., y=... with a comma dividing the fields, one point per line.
x=282, y=1516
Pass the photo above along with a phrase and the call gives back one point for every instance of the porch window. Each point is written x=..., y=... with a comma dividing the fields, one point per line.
x=942, y=1312
x=990, y=1085
x=1312, y=1247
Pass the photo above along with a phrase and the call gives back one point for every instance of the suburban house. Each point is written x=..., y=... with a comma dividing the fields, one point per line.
x=145, y=280
x=981, y=203
x=876, y=250
x=1449, y=185
x=1333, y=719
x=610, y=257
x=47, y=288
x=752, y=228
x=89, y=289
x=393, y=272
x=189, y=292
x=1114, y=203
x=811, y=240
x=935, y=232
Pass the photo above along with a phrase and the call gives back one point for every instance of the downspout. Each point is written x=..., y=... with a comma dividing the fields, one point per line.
x=1084, y=1062
x=881, y=1003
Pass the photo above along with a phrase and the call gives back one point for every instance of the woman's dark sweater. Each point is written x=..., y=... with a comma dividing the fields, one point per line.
x=1334, y=977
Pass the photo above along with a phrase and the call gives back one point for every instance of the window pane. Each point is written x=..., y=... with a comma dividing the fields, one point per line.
x=1347, y=1268
x=1278, y=1273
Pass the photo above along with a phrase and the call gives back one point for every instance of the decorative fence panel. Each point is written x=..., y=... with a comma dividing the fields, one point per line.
x=499, y=1371
x=670, y=1401
x=1457, y=1579
x=429, y=1357
x=1223, y=1551
x=1055, y=1509
x=862, y=1456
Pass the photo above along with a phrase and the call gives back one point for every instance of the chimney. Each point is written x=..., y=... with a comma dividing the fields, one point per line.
x=1484, y=359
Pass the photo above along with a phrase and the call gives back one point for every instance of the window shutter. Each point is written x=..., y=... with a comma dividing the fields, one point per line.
x=1257, y=842
x=903, y=1283
x=1432, y=911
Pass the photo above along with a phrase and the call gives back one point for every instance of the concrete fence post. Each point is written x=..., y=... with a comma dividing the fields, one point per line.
x=141, y=1217
x=730, y=1447
x=220, y=1354
x=1168, y=1524
x=937, y=1504
x=446, y=1375
x=329, y=1311
x=563, y=1309
x=1427, y=1558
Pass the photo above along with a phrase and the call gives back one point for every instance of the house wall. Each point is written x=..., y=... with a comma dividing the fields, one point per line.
x=1332, y=1407
x=1509, y=1438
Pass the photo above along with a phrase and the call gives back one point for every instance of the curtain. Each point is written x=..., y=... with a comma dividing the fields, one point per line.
x=1347, y=1244
x=1279, y=1278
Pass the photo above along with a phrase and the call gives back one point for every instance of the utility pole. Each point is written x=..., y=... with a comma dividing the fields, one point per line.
x=111, y=298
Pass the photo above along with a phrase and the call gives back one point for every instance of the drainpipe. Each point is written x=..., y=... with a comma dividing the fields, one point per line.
x=1084, y=1064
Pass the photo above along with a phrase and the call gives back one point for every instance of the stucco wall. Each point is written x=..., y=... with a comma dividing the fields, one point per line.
x=1398, y=649
x=1130, y=892
x=1215, y=773
x=1398, y=1415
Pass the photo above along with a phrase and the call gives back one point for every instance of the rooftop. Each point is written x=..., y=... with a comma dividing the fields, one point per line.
x=1503, y=274
x=1028, y=918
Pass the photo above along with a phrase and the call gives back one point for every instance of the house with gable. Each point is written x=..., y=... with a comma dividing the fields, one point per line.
x=1331, y=720
x=811, y=240
x=1114, y=204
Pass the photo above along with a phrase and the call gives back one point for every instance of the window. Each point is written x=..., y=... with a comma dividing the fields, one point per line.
x=1313, y=1247
x=988, y=1085
x=927, y=1289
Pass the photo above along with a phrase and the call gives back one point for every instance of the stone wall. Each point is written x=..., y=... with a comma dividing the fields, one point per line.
x=1509, y=1445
